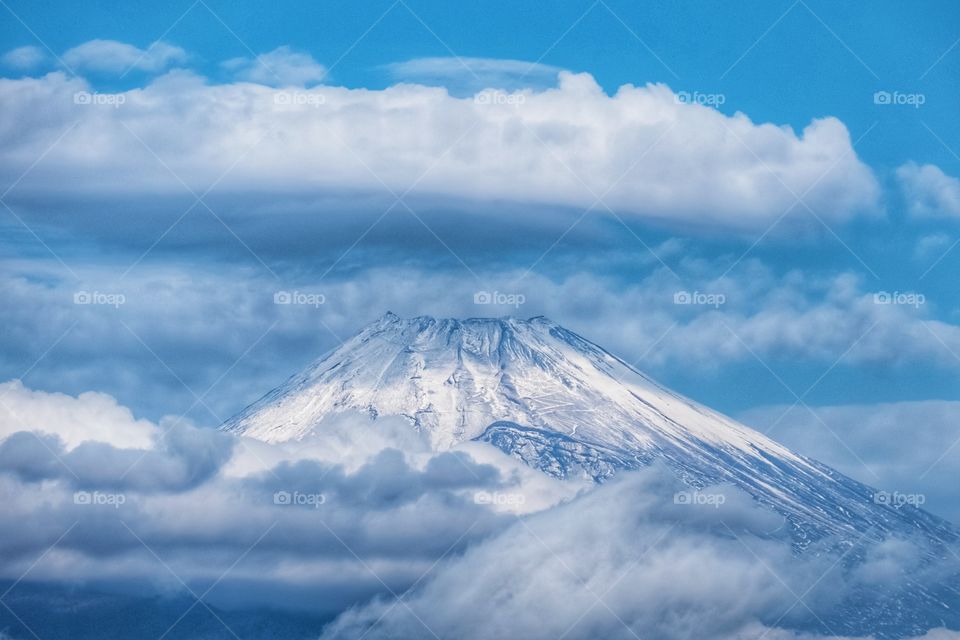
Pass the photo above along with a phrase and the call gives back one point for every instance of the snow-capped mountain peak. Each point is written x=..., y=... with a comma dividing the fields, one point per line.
x=563, y=405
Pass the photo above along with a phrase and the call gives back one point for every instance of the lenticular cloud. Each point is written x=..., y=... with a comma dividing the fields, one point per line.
x=643, y=151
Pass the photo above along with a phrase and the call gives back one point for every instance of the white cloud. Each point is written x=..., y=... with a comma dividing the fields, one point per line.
x=932, y=246
x=202, y=321
x=476, y=73
x=91, y=416
x=112, y=56
x=210, y=495
x=622, y=562
x=929, y=191
x=24, y=58
x=648, y=154
x=282, y=67
x=409, y=513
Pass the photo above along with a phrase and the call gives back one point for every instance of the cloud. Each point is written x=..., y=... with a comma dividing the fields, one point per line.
x=282, y=67
x=462, y=75
x=24, y=58
x=91, y=416
x=112, y=56
x=320, y=537
x=184, y=458
x=647, y=153
x=220, y=332
x=932, y=246
x=197, y=496
x=624, y=562
x=929, y=192
x=866, y=442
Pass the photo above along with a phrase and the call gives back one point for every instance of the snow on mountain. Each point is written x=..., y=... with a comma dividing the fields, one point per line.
x=565, y=406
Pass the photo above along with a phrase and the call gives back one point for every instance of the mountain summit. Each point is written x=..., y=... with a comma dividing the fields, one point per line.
x=566, y=406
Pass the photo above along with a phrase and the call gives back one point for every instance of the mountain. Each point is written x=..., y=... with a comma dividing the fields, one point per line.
x=566, y=406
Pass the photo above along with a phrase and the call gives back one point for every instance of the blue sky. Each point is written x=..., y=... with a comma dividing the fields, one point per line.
x=197, y=321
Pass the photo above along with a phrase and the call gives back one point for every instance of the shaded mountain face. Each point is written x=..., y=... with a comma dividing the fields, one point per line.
x=567, y=407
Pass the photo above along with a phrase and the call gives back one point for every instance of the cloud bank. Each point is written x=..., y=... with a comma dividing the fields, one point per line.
x=216, y=329
x=641, y=152
x=344, y=523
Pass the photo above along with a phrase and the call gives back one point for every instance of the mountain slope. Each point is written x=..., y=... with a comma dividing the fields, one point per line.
x=567, y=407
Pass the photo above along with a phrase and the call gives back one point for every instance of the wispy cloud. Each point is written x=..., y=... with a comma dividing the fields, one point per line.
x=24, y=58
x=278, y=68
x=474, y=74
x=112, y=56
x=928, y=191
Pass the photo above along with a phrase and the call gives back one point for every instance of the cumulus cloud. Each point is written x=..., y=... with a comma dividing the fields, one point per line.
x=198, y=497
x=286, y=531
x=645, y=152
x=112, y=56
x=929, y=192
x=24, y=58
x=184, y=457
x=282, y=67
x=91, y=416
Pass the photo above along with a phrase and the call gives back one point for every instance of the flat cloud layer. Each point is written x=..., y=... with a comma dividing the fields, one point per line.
x=642, y=151
x=224, y=330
